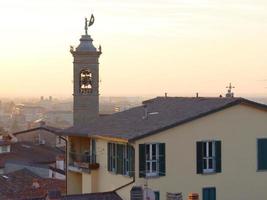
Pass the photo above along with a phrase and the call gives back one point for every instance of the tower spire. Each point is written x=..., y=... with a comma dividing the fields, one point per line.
x=85, y=79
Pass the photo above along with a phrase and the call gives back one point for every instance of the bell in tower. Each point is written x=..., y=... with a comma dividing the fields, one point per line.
x=86, y=79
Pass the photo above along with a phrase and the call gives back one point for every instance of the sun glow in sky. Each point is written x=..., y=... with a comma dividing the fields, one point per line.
x=149, y=46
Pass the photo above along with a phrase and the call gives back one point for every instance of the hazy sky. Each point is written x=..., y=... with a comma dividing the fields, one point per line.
x=149, y=46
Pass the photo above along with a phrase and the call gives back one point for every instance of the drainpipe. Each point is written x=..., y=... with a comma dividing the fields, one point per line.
x=66, y=162
x=123, y=186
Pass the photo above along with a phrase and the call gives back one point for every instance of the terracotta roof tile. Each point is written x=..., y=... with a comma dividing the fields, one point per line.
x=30, y=153
x=19, y=185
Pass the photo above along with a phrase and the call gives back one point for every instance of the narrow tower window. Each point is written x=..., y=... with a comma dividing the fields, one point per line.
x=85, y=82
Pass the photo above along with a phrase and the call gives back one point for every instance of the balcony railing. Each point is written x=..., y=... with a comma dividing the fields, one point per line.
x=82, y=162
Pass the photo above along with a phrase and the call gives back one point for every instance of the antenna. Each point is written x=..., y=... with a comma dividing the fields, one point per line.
x=229, y=93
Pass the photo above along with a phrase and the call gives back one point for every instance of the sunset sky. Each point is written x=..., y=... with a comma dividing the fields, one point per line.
x=149, y=46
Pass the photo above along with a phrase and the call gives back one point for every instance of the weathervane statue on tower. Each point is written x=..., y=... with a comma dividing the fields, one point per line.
x=89, y=23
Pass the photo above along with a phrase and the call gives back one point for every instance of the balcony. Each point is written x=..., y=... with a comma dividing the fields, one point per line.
x=82, y=162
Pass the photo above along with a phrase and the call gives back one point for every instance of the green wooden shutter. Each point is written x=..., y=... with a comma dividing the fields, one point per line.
x=218, y=154
x=199, y=160
x=142, y=160
x=125, y=157
x=109, y=160
x=119, y=169
x=131, y=161
x=93, y=153
x=157, y=195
x=209, y=193
x=212, y=193
x=262, y=154
x=206, y=194
x=162, y=160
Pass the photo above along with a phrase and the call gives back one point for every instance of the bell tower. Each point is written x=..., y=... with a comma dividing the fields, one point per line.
x=85, y=79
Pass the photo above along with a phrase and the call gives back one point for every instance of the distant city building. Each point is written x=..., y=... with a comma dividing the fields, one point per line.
x=59, y=118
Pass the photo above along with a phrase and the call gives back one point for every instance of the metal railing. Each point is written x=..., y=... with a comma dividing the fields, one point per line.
x=81, y=160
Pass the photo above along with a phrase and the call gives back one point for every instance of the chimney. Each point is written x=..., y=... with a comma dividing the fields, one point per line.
x=145, y=112
x=137, y=193
x=60, y=162
x=193, y=196
x=197, y=95
x=166, y=94
x=35, y=184
x=42, y=123
x=54, y=195
x=174, y=196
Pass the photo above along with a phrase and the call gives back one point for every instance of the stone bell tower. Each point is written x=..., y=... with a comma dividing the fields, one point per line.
x=85, y=79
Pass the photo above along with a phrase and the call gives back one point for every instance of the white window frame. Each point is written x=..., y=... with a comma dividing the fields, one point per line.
x=207, y=157
x=150, y=161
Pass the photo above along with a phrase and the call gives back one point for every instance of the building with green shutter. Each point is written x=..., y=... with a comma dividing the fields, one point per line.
x=216, y=147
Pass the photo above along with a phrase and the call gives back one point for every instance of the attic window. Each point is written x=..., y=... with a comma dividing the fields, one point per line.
x=85, y=82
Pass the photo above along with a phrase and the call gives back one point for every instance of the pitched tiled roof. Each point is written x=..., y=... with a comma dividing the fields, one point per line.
x=19, y=185
x=45, y=128
x=30, y=153
x=163, y=113
x=94, y=196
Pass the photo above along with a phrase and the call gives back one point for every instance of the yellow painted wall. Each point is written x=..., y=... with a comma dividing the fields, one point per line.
x=74, y=182
x=99, y=180
x=238, y=128
x=106, y=181
x=94, y=175
x=86, y=183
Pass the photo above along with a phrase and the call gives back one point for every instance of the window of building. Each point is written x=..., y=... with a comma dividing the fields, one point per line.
x=208, y=157
x=121, y=159
x=85, y=82
x=262, y=154
x=4, y=149
x=126, y=160
x=152, y=160
x=157, y=195
x=209, y=193
x=112, y=157
x=93, y=150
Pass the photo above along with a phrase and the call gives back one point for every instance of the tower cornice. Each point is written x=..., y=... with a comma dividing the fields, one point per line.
x=85, y=53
